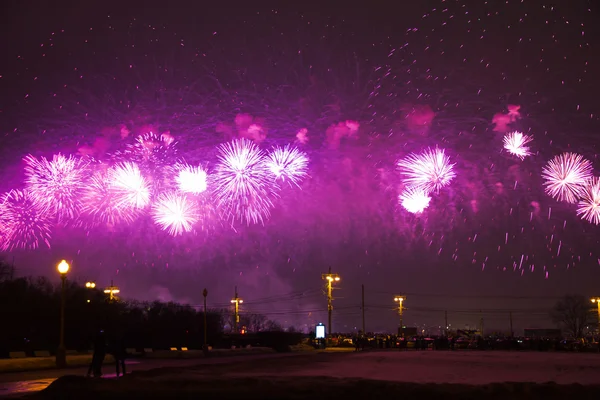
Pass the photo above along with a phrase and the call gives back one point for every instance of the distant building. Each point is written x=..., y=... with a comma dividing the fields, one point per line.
x=407, y=331
x=542, y=333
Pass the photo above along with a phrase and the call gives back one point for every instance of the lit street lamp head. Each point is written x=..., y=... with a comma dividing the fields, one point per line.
x=596, y=300
x=90, y=285
x=63, y=267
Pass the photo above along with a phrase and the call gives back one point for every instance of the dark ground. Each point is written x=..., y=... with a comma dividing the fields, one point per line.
x=228, y=382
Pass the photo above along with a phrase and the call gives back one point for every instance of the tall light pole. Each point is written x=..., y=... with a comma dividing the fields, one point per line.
x=330, y=278
x=205, y=293
x=236, y=301
x=61, y=352
x=111, y=291
x=90, y=285
x=597, y=301
x=400, y=301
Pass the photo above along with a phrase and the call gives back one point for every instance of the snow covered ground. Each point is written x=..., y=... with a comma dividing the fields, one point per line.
x=466, y=367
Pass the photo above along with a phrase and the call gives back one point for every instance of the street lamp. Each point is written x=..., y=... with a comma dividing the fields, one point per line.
x=236, y=301
x=111, y=291
x=61, y=352
x=90, y=285
x=597, y=301
x=400, y=301
x=330, y=278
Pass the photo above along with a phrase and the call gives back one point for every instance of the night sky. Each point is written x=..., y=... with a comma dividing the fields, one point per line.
x=491, y=241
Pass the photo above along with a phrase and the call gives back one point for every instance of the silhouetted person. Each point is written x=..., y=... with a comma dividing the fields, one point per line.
x=98, y=356
x=119, y=352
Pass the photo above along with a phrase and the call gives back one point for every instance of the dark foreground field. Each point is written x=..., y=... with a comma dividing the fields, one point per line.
x=431, y=375
x=304, y=388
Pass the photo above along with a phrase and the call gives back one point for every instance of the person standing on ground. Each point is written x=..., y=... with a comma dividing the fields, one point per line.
x=98, y=356
x=119, y=352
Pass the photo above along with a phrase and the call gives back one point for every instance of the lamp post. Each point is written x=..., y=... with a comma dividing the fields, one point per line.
x=111, y=291
x=90, y=286
x=330, y=278
x=205, y=348
x=597, y=301
x=400, y=301
x=236, y=301
x=61, y=352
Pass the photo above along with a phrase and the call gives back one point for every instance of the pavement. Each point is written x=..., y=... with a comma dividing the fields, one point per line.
x=16, y=384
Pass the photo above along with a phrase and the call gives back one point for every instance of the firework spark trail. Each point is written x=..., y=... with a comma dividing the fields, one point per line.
x=414, y=200
x=287, y=163
x=566, y=176
x=102, y=204
x=191, y=179
x=242, y=184
x=430, y=170
x=515, y=143
x=589, y=205
x=130, y=187
x=24, y=220
x=57, y=184
x=175, y=213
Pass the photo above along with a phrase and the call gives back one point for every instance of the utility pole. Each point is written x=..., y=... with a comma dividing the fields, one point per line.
x=512, y=333
x=236, y=301
x=446, y=322
x=481, y=324
x=204, y=294
x=111, y=291
x=363, y=309
x=400, y=301
x=330, y=278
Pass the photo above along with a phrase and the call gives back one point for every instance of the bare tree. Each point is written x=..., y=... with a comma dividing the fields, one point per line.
x=573, y=314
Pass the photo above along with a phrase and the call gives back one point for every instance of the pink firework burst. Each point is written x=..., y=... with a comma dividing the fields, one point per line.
x=430, y=170
x=414, y=200
x=287, y=164
x=243, y=186
x=589, y=205
x=24, y=221
x=154, y=148
x=516, y=144
x=104, y=205
x=175, y=213
x=566, y=177
x=57, y=184
x=130, y=187
x=191, y=179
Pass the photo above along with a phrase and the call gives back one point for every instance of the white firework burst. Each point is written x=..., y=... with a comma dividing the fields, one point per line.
x=414, y=200
x=516, y=144
x=430, y=170
x=175, y=213
x=287, y=164
x=566, y=177
x=589, y=205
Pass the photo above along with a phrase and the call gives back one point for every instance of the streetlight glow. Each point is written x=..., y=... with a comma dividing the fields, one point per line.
x=63, y=267
x=90, y=285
